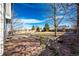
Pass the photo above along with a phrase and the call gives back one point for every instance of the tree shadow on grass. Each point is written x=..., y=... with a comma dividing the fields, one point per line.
x=64, y=45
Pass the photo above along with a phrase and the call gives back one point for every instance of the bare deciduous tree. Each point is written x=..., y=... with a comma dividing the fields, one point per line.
x=56, y=10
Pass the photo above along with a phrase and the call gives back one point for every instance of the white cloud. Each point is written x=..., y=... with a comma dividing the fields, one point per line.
x=29, y=20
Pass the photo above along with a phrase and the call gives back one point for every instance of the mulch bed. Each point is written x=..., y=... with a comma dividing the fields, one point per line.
x=22, y=47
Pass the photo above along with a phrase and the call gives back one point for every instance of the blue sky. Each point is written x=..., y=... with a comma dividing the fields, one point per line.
x=29, y=14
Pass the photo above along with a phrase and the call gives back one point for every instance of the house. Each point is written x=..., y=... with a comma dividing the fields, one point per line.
x=1, y=28
x=5, y=15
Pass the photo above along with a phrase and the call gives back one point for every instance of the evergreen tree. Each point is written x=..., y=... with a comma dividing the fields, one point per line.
x=46, y=28
x=33, y=27
x=38, y=29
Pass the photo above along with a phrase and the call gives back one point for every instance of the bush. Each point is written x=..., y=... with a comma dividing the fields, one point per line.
x=42, y=40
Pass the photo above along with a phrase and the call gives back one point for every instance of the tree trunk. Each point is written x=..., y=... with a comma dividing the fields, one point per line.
x=55, y=21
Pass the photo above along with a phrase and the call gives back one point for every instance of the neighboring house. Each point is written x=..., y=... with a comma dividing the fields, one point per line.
x=60, y=28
